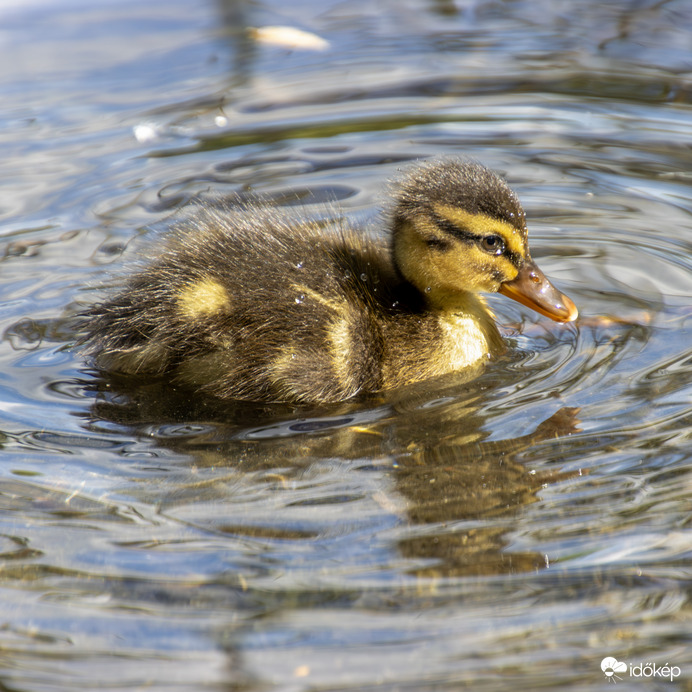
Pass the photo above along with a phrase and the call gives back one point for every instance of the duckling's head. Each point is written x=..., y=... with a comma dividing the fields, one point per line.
x=458, y=228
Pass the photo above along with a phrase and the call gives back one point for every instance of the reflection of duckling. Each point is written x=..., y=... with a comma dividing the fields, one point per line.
x=244, y=304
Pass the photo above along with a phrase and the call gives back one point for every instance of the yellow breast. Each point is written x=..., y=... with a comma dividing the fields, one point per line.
x=464, y=343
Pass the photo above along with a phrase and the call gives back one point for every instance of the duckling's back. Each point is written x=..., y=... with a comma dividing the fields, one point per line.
x=243, y=304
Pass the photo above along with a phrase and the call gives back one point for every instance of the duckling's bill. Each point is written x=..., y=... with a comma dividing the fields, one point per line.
x=532, y=288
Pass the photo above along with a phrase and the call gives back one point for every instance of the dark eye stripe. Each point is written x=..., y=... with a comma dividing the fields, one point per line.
x=463, y=234
x=454, y=230
x=514, y=257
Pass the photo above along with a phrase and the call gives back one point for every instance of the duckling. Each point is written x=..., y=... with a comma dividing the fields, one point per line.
x=242, y=303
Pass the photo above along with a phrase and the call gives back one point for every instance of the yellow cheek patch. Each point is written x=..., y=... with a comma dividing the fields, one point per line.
x=482, y=224
x=204, y=297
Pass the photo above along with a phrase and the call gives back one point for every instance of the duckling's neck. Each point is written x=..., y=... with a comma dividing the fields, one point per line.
x=448, y=303
x=467, y=323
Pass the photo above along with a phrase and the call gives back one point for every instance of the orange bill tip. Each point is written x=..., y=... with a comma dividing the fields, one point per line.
x=532, y=288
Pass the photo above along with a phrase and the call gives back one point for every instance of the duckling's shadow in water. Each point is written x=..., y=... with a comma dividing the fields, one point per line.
x=432, y=437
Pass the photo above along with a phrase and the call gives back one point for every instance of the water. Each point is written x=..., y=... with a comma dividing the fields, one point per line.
x=511, y=532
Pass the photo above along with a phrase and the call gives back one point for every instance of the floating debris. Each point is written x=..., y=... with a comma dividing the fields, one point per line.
x=288, y=37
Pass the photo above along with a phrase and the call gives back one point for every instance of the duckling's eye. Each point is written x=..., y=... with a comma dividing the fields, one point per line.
x=493, y=244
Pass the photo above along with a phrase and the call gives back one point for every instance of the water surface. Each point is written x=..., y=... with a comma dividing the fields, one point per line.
x=512, y=531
